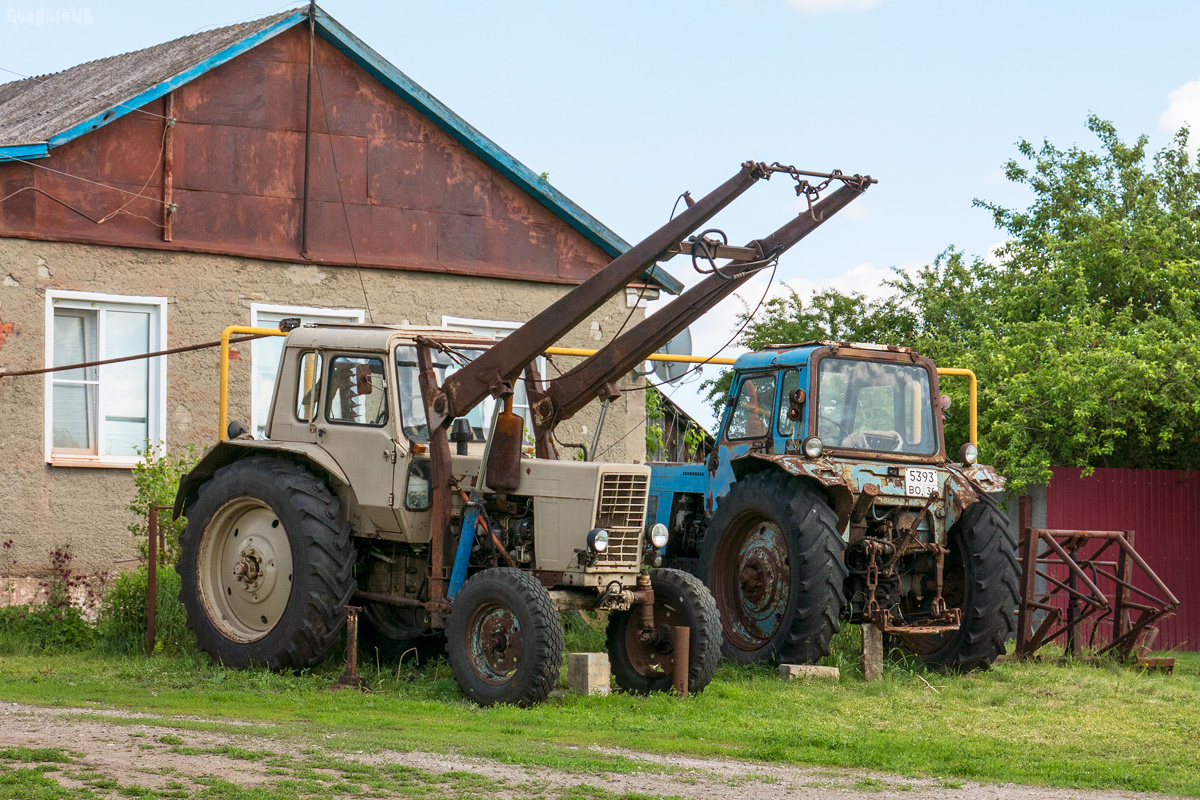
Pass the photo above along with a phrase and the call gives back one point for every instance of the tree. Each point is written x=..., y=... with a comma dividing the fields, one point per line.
x=1084, y=330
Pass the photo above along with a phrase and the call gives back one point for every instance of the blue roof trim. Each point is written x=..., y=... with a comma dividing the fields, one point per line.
x=155, y=92
x=557, y=202
x=24, y=151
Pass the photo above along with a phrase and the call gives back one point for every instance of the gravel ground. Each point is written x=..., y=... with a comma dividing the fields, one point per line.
x=114, y=745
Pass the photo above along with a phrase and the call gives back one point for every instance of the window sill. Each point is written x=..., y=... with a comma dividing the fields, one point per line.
x=90, y=463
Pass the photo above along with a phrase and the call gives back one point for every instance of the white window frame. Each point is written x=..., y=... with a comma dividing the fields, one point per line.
x=156, y=406
x=333, y=315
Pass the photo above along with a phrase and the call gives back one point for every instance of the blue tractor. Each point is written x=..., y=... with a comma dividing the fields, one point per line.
x=831, y=497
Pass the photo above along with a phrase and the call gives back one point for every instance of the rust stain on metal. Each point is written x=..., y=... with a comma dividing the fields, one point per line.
x=1074, y=565
x=233, y=167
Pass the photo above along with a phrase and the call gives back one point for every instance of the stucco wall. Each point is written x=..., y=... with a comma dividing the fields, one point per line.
x=47, y=506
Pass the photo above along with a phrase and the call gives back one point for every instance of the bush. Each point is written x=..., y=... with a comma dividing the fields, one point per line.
x=156, y=480
x=122, y=625
x=32, y=629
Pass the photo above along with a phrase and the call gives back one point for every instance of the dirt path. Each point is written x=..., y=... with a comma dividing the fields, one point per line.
x=114, y=746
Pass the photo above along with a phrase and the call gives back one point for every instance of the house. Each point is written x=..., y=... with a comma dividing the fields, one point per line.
x=276, y=168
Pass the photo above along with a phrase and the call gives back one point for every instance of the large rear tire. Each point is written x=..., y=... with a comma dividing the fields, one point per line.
x=647, y=666
x=981, y=578
x=266, y=565
x=772, y=558
x=504, y=638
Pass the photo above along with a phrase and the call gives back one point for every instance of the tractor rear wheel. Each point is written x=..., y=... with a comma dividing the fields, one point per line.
x=647, y=665
x=504, y=638
x=981, y=578
x=266, y=565
x=772, y=558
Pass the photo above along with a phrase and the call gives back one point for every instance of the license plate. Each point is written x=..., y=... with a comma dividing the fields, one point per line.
x=920, y=482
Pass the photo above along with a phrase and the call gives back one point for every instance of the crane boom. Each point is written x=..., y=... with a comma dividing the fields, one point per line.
x=565, y=395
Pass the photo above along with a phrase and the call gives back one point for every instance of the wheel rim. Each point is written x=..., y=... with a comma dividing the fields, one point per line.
x=244, y=570
x=653, y=655
x=495, y=643
x=752, y=581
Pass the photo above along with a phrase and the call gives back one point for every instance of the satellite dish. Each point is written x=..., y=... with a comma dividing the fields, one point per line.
x=671, y=371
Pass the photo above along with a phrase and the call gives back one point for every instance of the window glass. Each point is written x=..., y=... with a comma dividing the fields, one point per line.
x=265, y=352
x=791, y=382
x=357, y=391
x=308, y=386
x=412, y=407
x=497, y=331
x=109, y=411
x=753, y=411
x=882, y=406
x=416, y=494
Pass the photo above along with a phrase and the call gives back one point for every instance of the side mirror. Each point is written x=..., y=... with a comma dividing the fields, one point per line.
x=944, y=402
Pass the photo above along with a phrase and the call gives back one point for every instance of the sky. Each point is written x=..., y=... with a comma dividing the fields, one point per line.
x=627, y=104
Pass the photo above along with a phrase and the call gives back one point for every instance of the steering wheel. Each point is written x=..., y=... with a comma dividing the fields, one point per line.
x=842, y=430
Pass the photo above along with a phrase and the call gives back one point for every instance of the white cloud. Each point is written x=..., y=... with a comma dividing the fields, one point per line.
x=831, y=6
x=1183, y=108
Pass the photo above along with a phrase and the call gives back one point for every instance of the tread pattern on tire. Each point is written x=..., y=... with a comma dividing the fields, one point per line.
x=683, y=591
x=989, y=613
x=323, y=578
x=540, y=676
x=820, y=574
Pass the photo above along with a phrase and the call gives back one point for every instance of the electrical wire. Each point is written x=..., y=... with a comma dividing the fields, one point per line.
x=731, y=340
x=338, y=178
x=87, y=180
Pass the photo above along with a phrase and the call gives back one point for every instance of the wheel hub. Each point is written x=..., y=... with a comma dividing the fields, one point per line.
x=244, y=572
x=495, y=643
x=752, y=582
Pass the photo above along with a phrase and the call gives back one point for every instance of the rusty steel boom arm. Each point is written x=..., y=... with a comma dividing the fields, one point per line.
x=500, y=364
x=567, y=394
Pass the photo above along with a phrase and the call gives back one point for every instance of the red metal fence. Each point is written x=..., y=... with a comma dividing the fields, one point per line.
x=1163, y=507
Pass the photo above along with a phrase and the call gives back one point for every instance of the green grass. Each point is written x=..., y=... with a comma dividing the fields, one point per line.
x=1088, y=727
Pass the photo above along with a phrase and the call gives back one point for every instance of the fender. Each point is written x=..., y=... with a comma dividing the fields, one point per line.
x=837, y=485
x=227, y=452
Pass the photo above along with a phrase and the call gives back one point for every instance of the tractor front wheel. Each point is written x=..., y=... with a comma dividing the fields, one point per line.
x=644, y=662
x=504, y=638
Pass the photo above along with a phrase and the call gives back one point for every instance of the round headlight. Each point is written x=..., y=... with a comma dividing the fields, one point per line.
x=597, y=540
x=968, y=454
x=658, y=535
x=813, y=447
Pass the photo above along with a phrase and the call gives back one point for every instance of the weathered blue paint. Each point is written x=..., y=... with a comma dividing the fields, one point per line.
x=188, y=75
x=782, y=357
x=462, y=556
x=22, y=152
x=669, y=480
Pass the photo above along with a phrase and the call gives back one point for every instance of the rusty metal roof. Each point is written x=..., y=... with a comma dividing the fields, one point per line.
x=40, y=113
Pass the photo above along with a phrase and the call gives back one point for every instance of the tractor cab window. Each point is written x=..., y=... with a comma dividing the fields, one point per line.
x=791, y=382
x=308, y=386
x=881, y=406
x=753, y=411
x=357, y=391
x=412, y=407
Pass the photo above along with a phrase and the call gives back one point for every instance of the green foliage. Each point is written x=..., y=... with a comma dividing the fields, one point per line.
x=1084, y=331
x=43, y=628
x=584, y=633
x=156, y=480
x=122, y=625
x=654, y=424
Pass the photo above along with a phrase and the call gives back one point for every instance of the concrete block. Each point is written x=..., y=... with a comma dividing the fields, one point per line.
x=588, y=673
x=792, y=672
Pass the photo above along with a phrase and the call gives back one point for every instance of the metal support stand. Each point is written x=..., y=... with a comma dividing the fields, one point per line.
x=350, y=679
x=154, y=545
x=681, y=649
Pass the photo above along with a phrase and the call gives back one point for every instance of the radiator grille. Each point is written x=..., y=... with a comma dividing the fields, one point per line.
x=622, y=512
